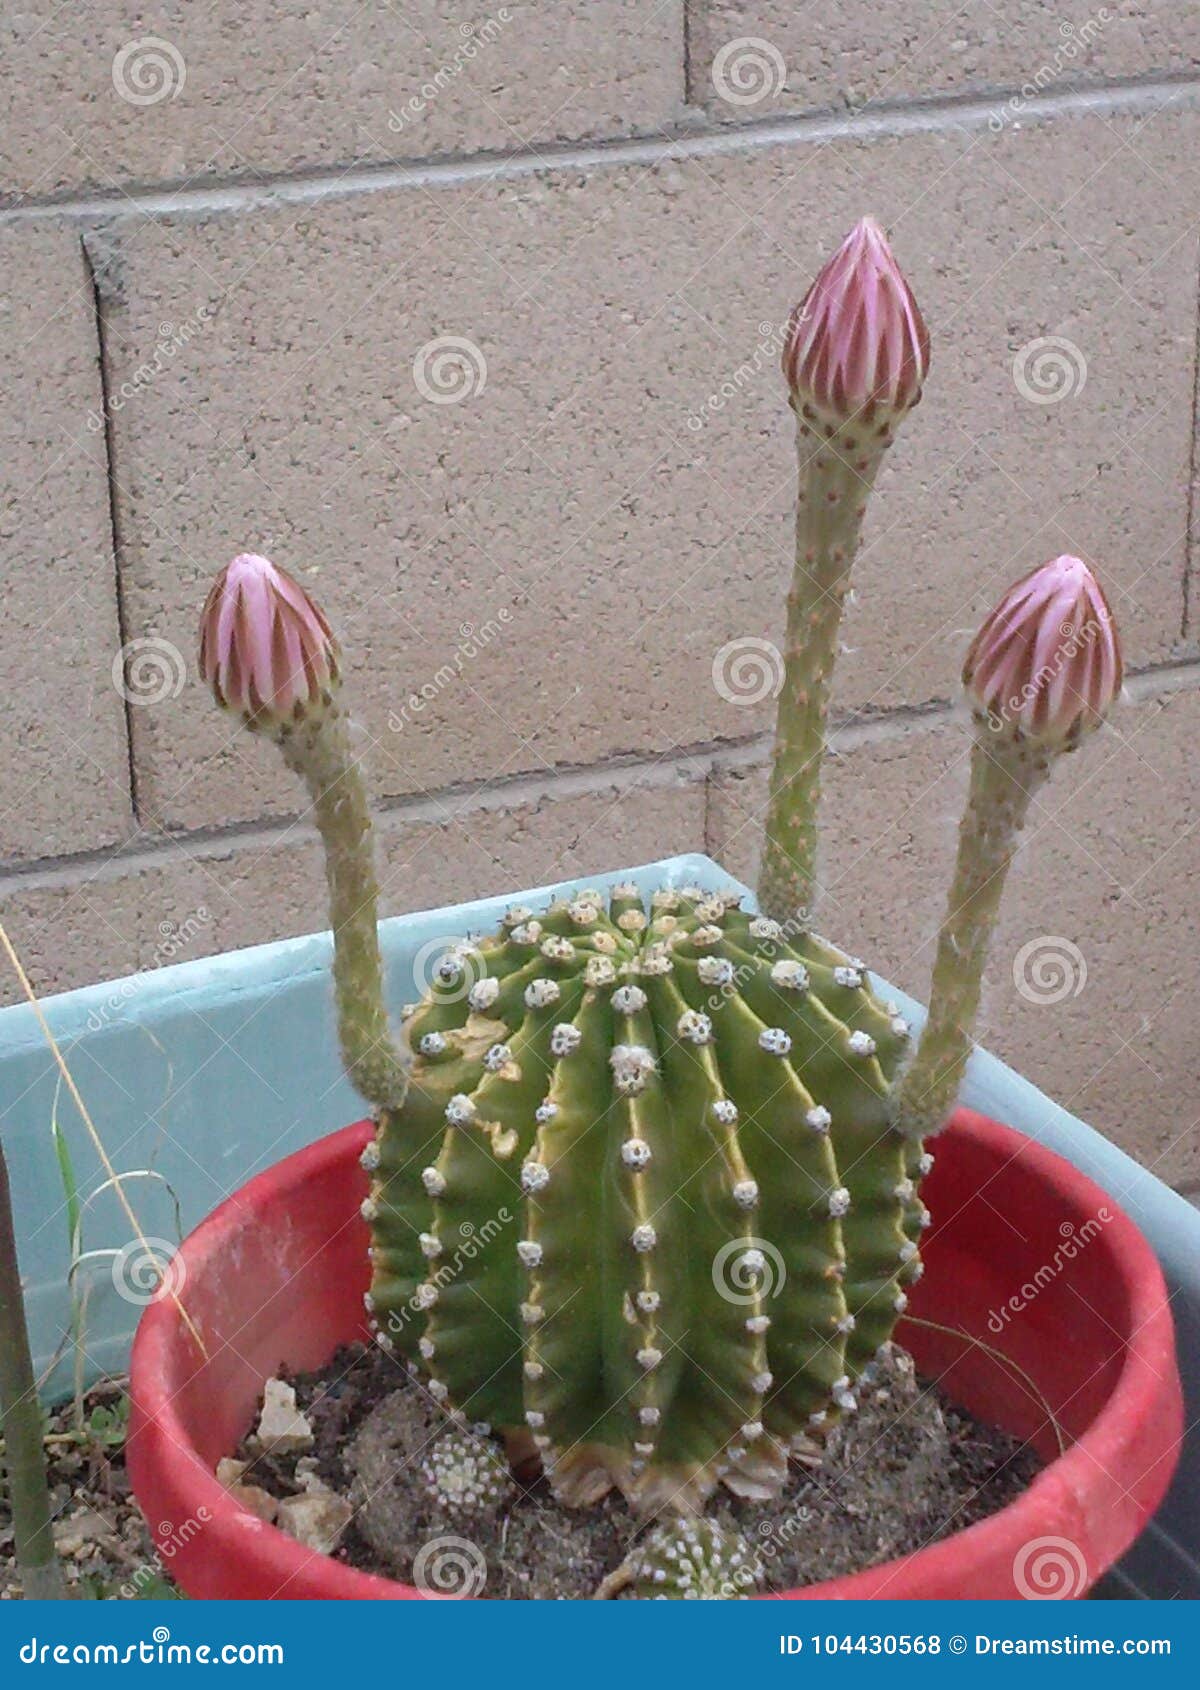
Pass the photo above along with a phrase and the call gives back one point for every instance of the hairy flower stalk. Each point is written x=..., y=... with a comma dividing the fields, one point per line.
x=268, y=654
x=1042, y=672
x=855, y=359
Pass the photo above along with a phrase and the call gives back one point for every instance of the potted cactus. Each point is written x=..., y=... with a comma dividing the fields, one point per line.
x=673, y=1096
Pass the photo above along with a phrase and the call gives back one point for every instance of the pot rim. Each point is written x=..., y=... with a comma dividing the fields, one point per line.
x=1139, y=1425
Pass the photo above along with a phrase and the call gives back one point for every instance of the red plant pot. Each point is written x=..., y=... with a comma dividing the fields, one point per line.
x=275, y=1276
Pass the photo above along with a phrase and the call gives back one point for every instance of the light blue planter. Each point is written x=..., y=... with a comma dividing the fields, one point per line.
x=209, y=1071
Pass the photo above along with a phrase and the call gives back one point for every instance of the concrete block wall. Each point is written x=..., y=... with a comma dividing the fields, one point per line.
x=473, y=322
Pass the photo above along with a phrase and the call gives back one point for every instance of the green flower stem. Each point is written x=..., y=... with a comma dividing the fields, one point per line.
x=319, y=750
x=836, y=477
x=1004, y=778
x=24, y=1461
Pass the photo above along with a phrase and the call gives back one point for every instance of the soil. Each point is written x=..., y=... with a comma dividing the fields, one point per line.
x=101, y=1537
x=907, y=1469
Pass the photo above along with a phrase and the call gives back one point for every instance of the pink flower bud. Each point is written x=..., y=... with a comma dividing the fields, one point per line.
x=857, y=347
x=265, y=648
x=1046, y=665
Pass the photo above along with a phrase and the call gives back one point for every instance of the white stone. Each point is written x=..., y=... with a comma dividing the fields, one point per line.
x=316, y=1520
x=282, y=1427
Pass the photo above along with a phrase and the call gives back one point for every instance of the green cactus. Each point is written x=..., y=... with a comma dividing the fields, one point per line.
x=694, y=1560
x=465, y=1473
x=690, y=1116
